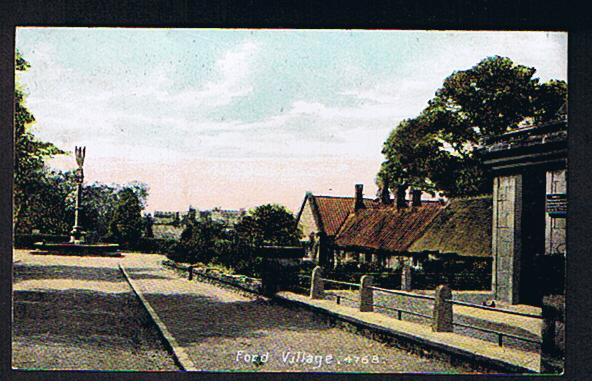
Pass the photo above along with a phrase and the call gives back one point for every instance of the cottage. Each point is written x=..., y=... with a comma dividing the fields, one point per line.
x=336, y=229
x=321, y=217
x=384, y=235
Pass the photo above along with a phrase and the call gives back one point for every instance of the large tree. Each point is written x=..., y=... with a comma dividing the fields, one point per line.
x=204, y=240
x=32, y=179
x=269, y=224
x=127, y=224
x=437, y=149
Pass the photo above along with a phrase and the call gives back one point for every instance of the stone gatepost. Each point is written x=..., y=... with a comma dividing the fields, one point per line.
x=366, y=294
x=506, y=237
x=555, y=226
x=442, y=320
x=317, y=287
x=406, y=278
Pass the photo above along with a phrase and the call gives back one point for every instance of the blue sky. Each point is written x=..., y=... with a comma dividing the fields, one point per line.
x=236, y=118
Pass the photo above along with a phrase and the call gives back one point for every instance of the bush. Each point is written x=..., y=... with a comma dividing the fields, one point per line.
x=352, y=272
x=152, y=245
x=26, y=240
x=207, y=241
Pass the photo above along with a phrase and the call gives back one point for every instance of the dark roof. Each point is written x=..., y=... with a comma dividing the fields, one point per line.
x=332, y=211
x=464, y=227
x=388, y=228
x=549, y=132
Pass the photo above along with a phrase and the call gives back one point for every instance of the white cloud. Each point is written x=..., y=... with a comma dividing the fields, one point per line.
x=233, y=68
x=146, y=120
x=73, y=107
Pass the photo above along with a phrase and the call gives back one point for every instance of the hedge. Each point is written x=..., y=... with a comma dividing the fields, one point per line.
x=26, y=240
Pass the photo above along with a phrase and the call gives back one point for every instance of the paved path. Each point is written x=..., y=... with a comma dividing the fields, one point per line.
x=222, y=330
x=445, y=340
x=521, y=326
x=79, y=313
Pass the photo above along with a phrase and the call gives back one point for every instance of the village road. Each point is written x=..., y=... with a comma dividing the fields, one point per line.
x=78, y=313
x=223, y=330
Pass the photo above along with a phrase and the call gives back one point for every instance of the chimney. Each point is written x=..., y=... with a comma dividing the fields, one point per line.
x=359, y=197
x=385, y=196
x=416, y=198
x=401, y=202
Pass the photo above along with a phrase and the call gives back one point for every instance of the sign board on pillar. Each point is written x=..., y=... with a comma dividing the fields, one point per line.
x=556, y=204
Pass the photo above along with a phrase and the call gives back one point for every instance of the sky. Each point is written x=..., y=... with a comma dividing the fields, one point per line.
x=237, y=118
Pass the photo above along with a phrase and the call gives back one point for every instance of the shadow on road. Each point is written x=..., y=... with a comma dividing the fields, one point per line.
x=75, y=328
x=23, y=272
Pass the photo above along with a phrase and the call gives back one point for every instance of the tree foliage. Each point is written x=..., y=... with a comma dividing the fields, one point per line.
x=32, y=179
x=127, y=225
x=44, y=199
x=268, y=224
x=435, y=151
x=209, y=241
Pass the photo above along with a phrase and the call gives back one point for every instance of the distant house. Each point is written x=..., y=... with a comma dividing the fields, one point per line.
x=226, y=216
x=170, y=224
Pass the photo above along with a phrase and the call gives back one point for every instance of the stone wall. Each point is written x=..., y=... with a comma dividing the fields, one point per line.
x=210, y=275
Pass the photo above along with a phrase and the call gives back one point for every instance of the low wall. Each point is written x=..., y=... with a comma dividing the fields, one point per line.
x=241, y=283
x=26, y=240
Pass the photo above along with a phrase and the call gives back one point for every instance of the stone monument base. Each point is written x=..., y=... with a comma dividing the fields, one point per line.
x=72, y=249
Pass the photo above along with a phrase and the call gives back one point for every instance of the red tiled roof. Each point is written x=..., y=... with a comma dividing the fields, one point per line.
x=332, y=211
x=388, y=229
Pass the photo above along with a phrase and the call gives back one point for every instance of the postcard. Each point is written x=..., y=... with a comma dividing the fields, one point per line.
x=290, y=200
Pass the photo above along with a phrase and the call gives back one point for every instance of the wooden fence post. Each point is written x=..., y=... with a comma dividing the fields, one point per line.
x=317, y=289
x=442, y=319
x=366, y=294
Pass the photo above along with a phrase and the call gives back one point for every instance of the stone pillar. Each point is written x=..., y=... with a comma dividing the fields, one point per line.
x=76, y=235
x=406, y=278
x=317, y=288
x=366, y=294
x=442, y=320
x=506, y=237
x=555, y=227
